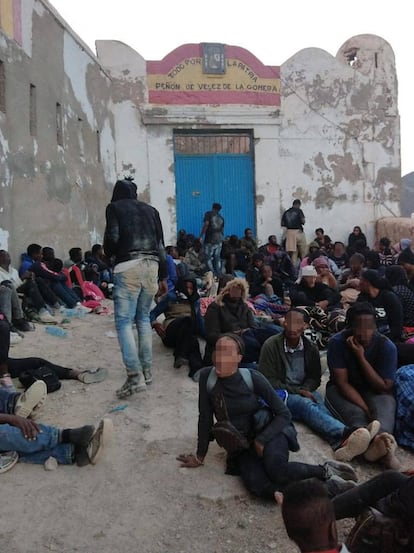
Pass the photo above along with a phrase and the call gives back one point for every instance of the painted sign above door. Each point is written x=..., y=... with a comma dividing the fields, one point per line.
x=212, y=74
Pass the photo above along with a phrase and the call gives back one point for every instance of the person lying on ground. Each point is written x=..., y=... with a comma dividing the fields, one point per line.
x=35, y=443
x=258, y=448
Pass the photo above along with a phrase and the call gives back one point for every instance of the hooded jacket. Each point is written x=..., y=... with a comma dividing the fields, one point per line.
x=133, y=228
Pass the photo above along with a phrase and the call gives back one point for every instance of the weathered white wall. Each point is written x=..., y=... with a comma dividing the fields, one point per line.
x=334, y=143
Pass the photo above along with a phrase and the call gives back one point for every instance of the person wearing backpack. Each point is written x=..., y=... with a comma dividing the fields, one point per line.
x=213, y=232
x=257, y=446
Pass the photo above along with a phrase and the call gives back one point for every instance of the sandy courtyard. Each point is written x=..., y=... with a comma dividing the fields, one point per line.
x=136, y=499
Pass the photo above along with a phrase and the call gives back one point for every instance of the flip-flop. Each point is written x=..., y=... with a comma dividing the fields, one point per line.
x=93, y=376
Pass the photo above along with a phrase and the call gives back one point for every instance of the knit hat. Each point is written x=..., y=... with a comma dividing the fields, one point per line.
x=406, y=256
x=307, y=270
x=322, y=260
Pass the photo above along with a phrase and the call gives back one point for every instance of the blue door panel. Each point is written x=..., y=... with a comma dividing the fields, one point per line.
x=223, y=178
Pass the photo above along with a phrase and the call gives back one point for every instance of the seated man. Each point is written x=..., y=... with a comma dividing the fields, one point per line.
x=279, y=260
x=339, y=255
x=230, y=313
x=248, y=245
x=181, y=326
x=266, y=284
x=362, y=364
x=350, y=279
x=309, y=517
x=56, y=279
x=27, y=286
x=307, y=291
x=292, y=363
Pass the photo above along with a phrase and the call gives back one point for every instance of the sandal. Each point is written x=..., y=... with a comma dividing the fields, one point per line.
x=93, y=376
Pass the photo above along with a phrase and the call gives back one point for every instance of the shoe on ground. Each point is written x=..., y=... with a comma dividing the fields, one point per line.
x=33, y=398
x=179, y=362
x=7, y=460
x=132, y=385
x=336, y=468
x=147, y=376
x=23, y=325
x=45, y=317
x=81, y=436
x=92, y=451
x=93, y=376
x=15, y=338
x=82, y=308
x=356, y=444
x=337, y=485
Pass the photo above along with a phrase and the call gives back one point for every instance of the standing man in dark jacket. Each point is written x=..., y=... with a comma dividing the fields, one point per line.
x=134, y=237
x=213, y=232
x=293, y=220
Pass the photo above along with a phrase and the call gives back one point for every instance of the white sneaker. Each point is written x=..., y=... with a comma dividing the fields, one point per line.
x=15, y=338
x=82, y=308
x=33, y=398
x=7, y=460
x=46, y=317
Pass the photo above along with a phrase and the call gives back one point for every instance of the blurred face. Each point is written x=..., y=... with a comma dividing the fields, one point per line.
x=235, y=294
x=226, y=357
x=365, y=286
x=322, y=270
x=189, y=287
x=355, y=265
x=319, y=234
x=272, y=240
x=4, y=258
x=356, y=231
x=363, y=329
x=294, y=326
x=266, y=271
x=339, y=250
x=258, y=263
x=310, y=281
x=249, y=233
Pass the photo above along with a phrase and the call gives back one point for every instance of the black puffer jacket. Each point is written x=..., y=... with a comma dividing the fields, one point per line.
x=133, y=228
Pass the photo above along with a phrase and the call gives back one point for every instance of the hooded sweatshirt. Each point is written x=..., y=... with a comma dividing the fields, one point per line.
x=133, y=228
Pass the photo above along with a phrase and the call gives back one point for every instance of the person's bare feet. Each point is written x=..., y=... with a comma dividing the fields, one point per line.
x=383, y=448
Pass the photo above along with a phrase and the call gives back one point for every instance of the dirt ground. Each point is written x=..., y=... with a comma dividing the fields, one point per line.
x=136, y=499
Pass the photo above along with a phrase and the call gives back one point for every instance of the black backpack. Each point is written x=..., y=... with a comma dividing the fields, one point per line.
x=27, y=378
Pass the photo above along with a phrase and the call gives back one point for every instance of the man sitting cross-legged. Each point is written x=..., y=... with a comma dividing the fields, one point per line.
x=292, y=363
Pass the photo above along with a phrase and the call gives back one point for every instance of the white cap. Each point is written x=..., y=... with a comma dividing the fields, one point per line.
x=307, y=270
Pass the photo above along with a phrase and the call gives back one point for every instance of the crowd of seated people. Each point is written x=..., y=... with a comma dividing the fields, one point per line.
x=269, y=311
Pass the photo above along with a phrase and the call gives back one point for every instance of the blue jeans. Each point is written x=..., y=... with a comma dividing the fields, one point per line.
x=66, y=294
x=133, y=292
x=317, y=417
x=7, y=400
x=36, y=451
x=213, y=255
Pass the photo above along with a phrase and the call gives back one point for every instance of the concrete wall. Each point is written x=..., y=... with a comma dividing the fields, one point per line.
x=54, y=194
x=334, y=142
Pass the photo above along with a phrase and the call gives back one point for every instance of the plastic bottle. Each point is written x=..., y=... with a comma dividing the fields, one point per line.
x=56, y=331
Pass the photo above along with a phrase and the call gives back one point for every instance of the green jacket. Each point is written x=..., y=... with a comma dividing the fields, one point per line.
x=273, y=364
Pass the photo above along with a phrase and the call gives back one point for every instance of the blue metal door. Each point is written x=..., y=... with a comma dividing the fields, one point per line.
x=223, y=177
